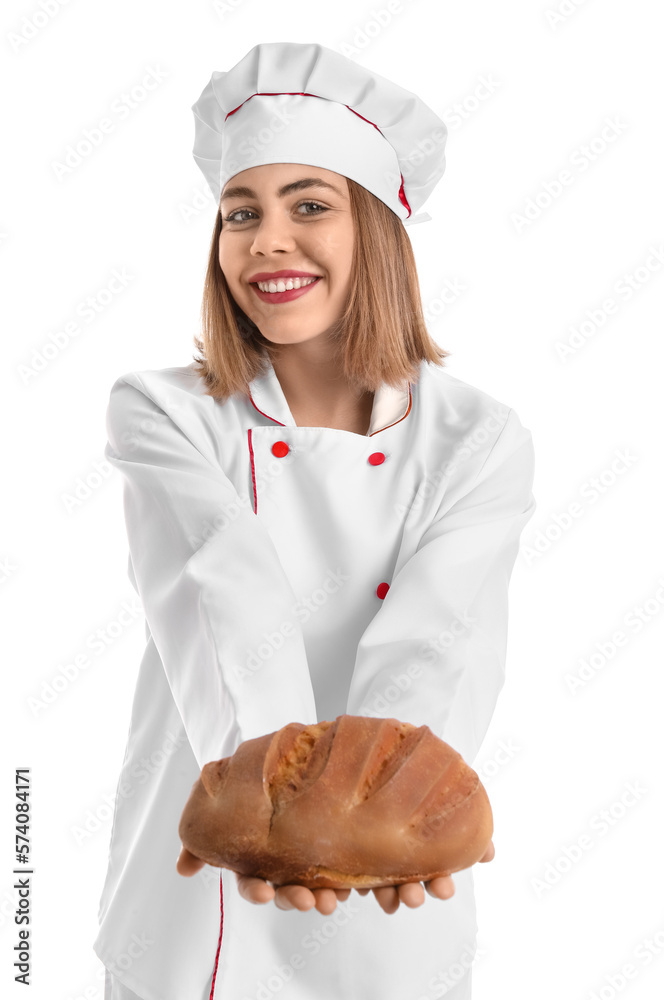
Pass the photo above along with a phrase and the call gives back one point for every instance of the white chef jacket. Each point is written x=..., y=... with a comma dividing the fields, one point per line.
x=293, y=574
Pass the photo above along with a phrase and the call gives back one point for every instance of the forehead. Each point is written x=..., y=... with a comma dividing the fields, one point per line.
x=282, y=179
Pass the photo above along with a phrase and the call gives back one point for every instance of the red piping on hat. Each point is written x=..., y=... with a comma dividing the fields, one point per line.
x=402, y=197
x=299, y=93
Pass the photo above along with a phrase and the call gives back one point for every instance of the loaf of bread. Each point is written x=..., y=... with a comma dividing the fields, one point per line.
x=355, y=803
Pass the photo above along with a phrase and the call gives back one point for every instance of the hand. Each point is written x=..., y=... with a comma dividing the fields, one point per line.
x=298, y=897
x=258, y=890
x=290, y=897
x=188, y=864
x=412, y=894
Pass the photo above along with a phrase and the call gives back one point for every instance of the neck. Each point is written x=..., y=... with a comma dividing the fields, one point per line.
x=318, y=395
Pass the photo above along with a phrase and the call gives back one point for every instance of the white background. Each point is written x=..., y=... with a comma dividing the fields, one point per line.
x=532, y=89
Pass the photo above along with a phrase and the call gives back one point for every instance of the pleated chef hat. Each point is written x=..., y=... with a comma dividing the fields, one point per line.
x=286, y=102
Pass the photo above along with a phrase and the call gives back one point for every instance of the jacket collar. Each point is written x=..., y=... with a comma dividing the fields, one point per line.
x=390, y=405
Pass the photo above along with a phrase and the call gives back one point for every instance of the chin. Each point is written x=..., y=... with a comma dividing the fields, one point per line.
x=289, y=336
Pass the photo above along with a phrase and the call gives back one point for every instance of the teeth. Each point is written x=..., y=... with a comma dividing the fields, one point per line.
x=284, y=284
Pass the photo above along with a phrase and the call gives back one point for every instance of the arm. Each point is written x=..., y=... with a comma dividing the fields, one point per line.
x=208, y=576
x=434, y=653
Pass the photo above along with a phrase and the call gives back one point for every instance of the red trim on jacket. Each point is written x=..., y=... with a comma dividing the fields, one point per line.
x=253, y=468
x=266, y=414
x=221, y=929
x=299, y=93
x=410, y=403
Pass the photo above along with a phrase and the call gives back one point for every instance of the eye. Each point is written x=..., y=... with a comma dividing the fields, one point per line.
x=321, y=208
x=231, y=217
x=236, y=215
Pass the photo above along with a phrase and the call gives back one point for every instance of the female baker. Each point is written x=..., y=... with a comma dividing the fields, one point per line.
x=321, y=520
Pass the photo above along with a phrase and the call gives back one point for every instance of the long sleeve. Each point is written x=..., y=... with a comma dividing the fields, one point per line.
x=435, y=651
x=217, y=602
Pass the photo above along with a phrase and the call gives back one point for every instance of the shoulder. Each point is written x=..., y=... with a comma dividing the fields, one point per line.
x=449, y=400
x=164, y=404
x=443, y=392
x=164, y=383
x=471, y=422
x=178, y=392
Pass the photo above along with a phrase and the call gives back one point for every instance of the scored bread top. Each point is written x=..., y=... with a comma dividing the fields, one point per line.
x=358, y=801
x=356, y=757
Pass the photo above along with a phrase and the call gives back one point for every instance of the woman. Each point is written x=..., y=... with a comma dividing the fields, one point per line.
x=320, y=521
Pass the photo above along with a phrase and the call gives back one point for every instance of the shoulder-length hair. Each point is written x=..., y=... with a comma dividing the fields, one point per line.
x=381, y=336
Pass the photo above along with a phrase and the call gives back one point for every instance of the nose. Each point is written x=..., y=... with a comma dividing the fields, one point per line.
x=272, y=234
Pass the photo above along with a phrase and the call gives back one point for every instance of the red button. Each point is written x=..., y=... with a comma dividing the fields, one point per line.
x=280, y=448
x=382, y=589
x=377, y=458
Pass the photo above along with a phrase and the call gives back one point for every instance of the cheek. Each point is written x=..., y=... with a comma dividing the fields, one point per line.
x=225, y=256
x=231, y=273
x=334, y=252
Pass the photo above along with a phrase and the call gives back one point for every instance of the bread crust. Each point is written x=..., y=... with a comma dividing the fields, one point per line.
x=355, y=803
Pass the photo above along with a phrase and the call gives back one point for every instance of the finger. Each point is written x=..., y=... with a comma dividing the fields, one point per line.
x=255, y=890
x=188, y=864
x=294, y=897
x=326, y=900
x=343, y=893
x=362, y=892
x=441, y=887
x=388, y=898
x=411, y=893
x=490, y=852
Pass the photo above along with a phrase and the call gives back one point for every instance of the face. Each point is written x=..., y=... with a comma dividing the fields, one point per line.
x=292, y=218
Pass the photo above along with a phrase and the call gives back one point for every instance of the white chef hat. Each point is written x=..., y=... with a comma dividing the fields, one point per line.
x=286, y=102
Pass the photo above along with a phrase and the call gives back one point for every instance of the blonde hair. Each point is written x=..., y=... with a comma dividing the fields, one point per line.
x=381, y=336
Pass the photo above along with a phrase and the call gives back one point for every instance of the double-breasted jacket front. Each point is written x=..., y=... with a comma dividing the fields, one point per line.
x=291, y=574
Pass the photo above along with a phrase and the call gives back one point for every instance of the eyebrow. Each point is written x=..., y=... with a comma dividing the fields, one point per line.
x=239, y=191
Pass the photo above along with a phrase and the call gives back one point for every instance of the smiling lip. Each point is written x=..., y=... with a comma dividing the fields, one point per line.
x=291, y=293
x=271, y=275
